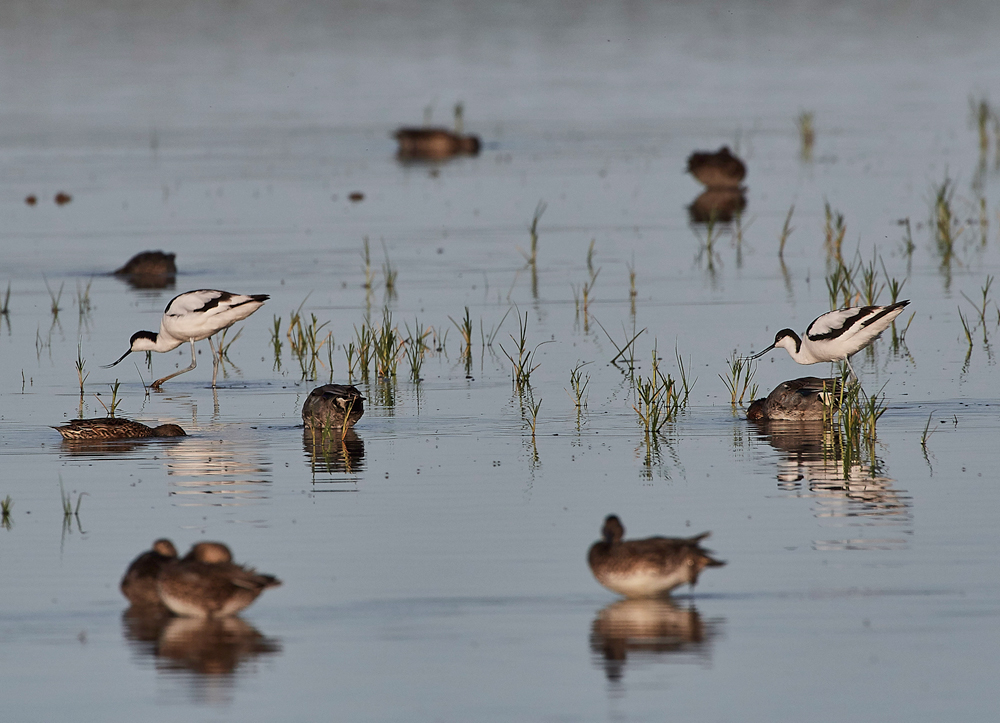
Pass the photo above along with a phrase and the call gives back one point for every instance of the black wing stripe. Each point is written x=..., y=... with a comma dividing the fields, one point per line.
x=843, y=328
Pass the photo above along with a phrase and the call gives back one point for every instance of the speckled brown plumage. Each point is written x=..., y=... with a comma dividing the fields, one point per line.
x=717, y=170
x=649, y=567
x=330, y=404
x=115, y=428
x=434, y=143
x=139, y=582
x=207, y=584
x=800, y=400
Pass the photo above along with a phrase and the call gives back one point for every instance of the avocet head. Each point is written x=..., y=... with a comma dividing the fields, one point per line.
x=784, y=339
x=140, y=341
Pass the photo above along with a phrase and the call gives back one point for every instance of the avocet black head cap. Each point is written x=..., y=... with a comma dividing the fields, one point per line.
x=145, y=335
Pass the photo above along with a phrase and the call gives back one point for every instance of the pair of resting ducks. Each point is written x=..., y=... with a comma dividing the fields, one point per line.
x=206, y=583
x=329, y=407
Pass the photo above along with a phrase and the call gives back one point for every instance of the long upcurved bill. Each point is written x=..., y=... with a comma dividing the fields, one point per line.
x=108, y=366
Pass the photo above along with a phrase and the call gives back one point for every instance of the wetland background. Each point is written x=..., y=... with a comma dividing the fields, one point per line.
x=447, y=578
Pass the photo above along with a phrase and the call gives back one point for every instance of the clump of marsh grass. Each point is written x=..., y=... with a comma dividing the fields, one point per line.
x=388, y=347
x=416, y=348
x=80, y=364
x=807, y=134
x=366, y=256
x=871, y=287
x=533, y=409
x=465, y=330
x=83, y=305
x=980, y=115
x=389, y=274
x=583, y=293
x=840, y=284
x=857, y=414
x=304, y=340
x=740, y=378
x=362, y=353
x=523, y=364
x=55, y=298
x=947, y=228
x=578, y=382
x=115, y=401
x=834, y=230
x=658, y=397
x=276, y=344
x=981, y=309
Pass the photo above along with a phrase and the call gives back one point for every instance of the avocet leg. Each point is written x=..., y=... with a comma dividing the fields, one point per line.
x=853, y=373
x=194, y=363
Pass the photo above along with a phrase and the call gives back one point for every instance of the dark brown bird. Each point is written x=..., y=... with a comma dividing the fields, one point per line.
x=329, y=405
x=717, y=170
x=434, y=143
x=115, y=428
x=646, y=568
x=206, y=583
x=149, y=263
x=139, y=581
x=807, y=399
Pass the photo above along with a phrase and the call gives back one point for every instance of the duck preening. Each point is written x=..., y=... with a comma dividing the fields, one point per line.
x=807, y=399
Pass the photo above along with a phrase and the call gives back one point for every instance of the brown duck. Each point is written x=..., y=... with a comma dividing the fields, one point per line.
x=206, y=583
x=115, y=428
x=331, y=404
x=646, y=568
x=806, y=399
x=717, y=170
x=429, y=143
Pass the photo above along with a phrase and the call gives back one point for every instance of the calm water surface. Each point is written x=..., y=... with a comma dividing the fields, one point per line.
x=434, y=565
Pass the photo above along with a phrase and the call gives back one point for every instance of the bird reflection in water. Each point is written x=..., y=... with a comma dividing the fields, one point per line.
x=648, y=630
x=847, y=487
x=213, y=650
x=328, y=453
x=717, y=205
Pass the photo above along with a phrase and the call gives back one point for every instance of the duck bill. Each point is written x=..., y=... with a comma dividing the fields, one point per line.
x=108, y=366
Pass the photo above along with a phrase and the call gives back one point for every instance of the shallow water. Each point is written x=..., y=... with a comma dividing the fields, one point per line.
x=448, y=580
